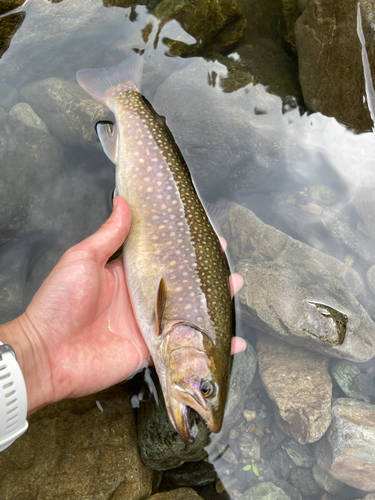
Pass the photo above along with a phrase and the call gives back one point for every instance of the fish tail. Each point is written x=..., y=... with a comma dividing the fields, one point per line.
x=106, y=84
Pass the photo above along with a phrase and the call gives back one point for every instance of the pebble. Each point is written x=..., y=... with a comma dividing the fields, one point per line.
x=249, y=415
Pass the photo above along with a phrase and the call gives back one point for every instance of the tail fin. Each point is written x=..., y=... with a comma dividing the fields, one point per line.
x=106, y=84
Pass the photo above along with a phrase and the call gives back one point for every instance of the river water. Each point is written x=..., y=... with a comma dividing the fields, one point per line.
x=233, y=97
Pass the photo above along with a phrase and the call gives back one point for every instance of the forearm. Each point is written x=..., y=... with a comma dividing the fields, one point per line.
x=23, y=338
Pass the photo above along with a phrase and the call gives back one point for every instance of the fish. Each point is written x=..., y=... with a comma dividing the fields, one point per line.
x=176, y=270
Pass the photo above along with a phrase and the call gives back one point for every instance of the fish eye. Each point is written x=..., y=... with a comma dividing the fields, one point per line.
x=207, y=389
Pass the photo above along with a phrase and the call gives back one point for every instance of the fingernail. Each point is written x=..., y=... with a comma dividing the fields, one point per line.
x=114, y=204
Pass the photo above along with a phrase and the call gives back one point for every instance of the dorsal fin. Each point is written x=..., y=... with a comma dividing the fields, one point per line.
x=161, y=299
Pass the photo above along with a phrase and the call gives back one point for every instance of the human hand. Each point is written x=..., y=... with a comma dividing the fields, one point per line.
x=63, y=341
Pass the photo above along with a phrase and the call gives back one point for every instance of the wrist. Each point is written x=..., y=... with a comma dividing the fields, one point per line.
x=32, y=359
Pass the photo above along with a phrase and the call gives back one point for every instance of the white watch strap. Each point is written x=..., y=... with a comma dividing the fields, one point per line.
x=13, y=398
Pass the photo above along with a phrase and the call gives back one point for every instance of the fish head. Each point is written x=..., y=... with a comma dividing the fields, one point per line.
x=196, y=377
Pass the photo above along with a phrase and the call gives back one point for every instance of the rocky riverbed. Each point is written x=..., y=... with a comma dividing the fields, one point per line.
x=269, y=104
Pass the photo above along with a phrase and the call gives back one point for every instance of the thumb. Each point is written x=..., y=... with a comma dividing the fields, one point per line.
x=106, y=240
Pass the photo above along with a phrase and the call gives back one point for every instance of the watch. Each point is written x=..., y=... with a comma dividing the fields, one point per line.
x=13, y=398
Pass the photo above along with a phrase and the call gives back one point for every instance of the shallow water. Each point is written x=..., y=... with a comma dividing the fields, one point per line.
x=253, y=143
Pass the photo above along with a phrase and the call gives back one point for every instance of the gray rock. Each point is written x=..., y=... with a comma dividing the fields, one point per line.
x=300, y=454
x=329, y=60
x=370, y=278
x=249, y=446
x=347, y=449
x=323, y=194
x=192, y=474
x=243, y=370
x=31, y=155
x=8, y=96
x=68, y=111
x=160, y=446
x=325, y=481
x=264, y=491
x=298, y=383
x=25, y=113
x=303, y=480
x=344, y=372
x=321, y=311
x=79, y=449
x=225, y=143
x=365, y=382
x=281, y=463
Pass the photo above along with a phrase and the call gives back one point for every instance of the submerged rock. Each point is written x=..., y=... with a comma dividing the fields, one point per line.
x=365, y=382
x=330, y=62
x=8, y=96
x=178, y=494
x=347, y=449
x=75, y=449
x=264, y=491
x=325, y=481
x=25, y=113
x=296, y=292
x=216, y=25
x=192, y=474
x=68, y=111
x=298, y=383
x=344, y=372
x=161, y=447
x=225, y=138
x=302, y=479
x=300, y=454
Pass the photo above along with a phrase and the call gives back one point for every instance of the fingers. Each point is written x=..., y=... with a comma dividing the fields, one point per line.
x=104, y=243
x=235, y=284
x=238, y=345
x=223, y=243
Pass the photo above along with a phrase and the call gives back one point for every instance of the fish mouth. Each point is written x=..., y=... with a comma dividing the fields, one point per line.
x=181, y=405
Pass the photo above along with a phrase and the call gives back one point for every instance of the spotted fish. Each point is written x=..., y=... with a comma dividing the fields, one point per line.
x=176, y=270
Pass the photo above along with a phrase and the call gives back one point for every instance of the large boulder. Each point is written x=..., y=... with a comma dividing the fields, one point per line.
x=298, y=383
x=329, y=58
x=297, y=293
x=347, y=449
x=68, y=111
x=78, y=449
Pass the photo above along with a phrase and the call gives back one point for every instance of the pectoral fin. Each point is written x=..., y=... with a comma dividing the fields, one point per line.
x=161, y=299
x=108, y=137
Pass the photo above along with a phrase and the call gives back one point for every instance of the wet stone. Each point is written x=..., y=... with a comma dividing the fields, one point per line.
x=281, y=463
x=330, y=63
x=344, y=372
x=325, y=481
x=264, y=491
x=370, y=277
x=192, y=474
x=300, y=454
x=324, y=195
x=347, y=449
x=298, y=383
x=216, y=24
x=243, y=371
x=69, y=113
x=25, y=113
x=249, y=446
x=302, y=479
x=365, y=382
x=8, y=96
x=72, y=446
x=275, y=266
x=161, y=447
x=177, y=494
